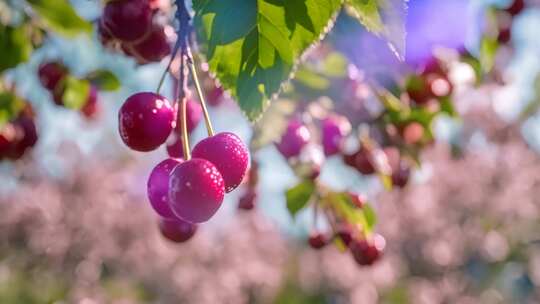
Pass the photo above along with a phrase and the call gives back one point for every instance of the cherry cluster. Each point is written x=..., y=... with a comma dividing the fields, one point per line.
x=138, y=28
x=18, y=135
x=53, y=76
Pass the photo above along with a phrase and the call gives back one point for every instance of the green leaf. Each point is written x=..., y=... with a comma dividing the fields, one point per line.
x=104, y=80
x=60, y=16
x=370, y=216
x=10, y=107
x=15, y=45
x=298, y=196
x=312, y=79
x=488, y=50
x=253, y=45
x=384, y=18
x=76, y=92
x=366, y=217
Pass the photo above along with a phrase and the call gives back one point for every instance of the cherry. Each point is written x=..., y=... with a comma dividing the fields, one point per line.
x=215, y=96
x=318, y=240
x=196, y=190
x=357, y=199
x=400, y=177
x=228, y=153
x=158, y=187
x=176, y=230
x=334, y=130
x=193, y=115
x=413, y=133
x=145, y=121
x=174, y=146
x=91, y=107
x=127, y=20
x=104, y=36
x=516, y=7
x=362, y=162
x=367, y=252
x=247, y=200
x=50, y=74
x=295, y=138
x=152, y=48
x=344, y=232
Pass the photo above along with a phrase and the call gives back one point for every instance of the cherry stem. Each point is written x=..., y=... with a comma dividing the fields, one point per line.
x=183, y=18
x=193, y=69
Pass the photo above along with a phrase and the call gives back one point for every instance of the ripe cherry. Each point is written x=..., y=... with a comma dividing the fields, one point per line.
x=357, y=199
x=158, y=187
x=362, y=162
x=50, y=74
x=174, y=146
x=318, y=240
x=91, y=107
x=228, y=153
x=516, y=7
x=127, y=20
x=296, y=137
x=345, y=233
x=145, y=121
x=152, y=48
x=400, y=177
x=196, y=190
x=367, y=252
x=215, y=96
x=334, y=130
x=176, y=230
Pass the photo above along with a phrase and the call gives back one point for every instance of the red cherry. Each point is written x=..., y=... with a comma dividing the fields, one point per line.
x=357, y=199
x=91, y=107
x=228, y=153
x=344, y=232
x=334, y=130
x=295, y=138
x=152, y=48
x=50, y=74
x=367, y=252
x=145, y=121
x=176, y=230
x=174, y=146
x=318, y=240
x=400, y=177
x=127, y=20
x=158, y=187
x=363, y=162
x=215, y=96
x=516, y=7
x=196, y=190
x=193, y=115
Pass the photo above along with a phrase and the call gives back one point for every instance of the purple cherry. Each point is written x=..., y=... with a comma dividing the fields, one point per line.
x=334, y=130
x=196, y=190
x=176, y=230
x=145, y=121
x=295, y=138
x=158, y=187
x=228, y=153
x=127, y=20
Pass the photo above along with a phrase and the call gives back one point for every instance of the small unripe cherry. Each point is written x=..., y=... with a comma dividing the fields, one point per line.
x=196, y=190
x=127, y=20
x=367, y=252
x=413, y=133
x=176, y=230
x=145, y=121
x=334, y=130
x=158, y=187
x=296, y=137
x=318, y=240
x=50, y=74
x=228, y=153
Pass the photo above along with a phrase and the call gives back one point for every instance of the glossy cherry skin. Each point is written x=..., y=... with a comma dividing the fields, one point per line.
x=196, y=190
x=50, y=74
x=158, y=187
x=152, y=48
x=296, y=137
x=176, y=230
x=145, y=121
x=127, y=20
x=228, y=153
x=174, y=146
x=362, y=162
